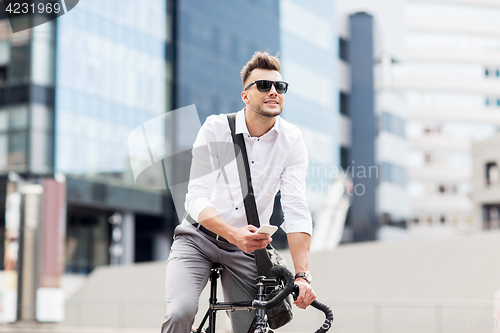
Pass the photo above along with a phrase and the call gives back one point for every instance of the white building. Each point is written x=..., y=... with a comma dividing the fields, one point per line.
x=452, y=81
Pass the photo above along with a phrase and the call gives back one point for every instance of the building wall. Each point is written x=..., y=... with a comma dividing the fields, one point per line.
x=452, y=85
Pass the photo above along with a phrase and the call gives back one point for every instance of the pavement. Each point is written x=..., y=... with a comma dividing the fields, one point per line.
x=29, y=327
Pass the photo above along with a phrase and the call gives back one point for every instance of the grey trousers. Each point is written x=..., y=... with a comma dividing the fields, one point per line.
x=188, y=268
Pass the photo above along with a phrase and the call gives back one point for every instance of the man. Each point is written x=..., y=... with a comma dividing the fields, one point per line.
x=215, y=228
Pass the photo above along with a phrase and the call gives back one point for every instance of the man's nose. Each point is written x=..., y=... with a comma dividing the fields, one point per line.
x=272, y=91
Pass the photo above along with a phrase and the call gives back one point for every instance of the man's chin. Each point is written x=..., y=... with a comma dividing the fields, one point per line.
x=271, y=113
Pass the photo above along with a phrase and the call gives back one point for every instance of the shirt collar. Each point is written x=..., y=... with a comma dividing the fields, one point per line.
x=241, y=125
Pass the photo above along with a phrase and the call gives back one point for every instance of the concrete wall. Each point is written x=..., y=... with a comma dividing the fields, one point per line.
x=414, y=283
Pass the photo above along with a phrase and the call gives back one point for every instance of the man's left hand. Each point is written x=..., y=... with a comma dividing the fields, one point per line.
x=306, y=294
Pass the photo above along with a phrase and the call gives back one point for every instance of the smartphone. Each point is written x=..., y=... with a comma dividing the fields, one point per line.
x=267, y=229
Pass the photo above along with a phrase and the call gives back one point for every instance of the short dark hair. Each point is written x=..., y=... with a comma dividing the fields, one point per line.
x=261, y=60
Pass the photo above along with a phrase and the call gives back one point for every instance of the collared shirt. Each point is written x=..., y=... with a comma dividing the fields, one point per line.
x=278, y=161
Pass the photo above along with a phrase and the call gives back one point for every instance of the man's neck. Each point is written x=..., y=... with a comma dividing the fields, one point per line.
x=258, y=125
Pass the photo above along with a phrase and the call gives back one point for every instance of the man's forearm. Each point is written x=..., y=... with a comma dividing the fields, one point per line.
x=210, y=219
x=299, y=244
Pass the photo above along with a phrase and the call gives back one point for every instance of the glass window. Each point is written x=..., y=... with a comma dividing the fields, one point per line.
x=492, y=174
x=19, y=64
x=343, y=49
x=393, y=174
x=4, y=120
x=392, y=124
x=344, y=103
x=17, y=150
x=18, y=117
x=3, y=152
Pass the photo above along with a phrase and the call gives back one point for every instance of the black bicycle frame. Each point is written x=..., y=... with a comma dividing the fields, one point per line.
x=214, y=306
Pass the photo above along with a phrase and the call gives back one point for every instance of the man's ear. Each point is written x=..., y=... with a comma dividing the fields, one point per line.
x=244, y=97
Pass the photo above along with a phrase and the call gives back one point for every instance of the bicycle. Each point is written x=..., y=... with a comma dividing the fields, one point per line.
x=284, y=282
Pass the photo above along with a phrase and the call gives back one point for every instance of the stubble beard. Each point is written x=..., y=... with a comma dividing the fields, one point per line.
x=257, y=108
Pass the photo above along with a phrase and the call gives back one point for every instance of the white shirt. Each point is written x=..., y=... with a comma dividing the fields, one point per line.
x=278, y=161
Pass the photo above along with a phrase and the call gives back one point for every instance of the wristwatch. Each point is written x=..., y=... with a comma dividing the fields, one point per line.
x=305, y=275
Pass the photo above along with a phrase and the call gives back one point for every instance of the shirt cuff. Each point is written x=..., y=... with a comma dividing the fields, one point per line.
x=297, y=226
x=197, y=206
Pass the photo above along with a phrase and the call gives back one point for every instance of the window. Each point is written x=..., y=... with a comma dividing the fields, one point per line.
x=498, y=101
x=3, y=75
x=491, y=174
x=497, y=73
x=393, y=174
x=486, y=72
x=343, y=54
x=487, y=101
x=344, y=103
x=393, y=124
x=442, y=219
x=344, y=155
x=428, y=159
x=442, y=189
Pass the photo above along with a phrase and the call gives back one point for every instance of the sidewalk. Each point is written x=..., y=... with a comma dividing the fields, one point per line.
x=57, y=328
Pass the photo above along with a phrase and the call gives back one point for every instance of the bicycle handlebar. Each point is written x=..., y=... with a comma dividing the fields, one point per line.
x=284, y=273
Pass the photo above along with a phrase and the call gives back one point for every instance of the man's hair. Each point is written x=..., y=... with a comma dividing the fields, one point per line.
x=261, y=60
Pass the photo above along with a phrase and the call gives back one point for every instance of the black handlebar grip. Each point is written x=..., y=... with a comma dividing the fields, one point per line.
x=282, y=272
x=328, y=313
x=320, y=306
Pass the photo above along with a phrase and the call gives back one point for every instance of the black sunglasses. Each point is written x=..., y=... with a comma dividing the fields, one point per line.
x=265, y=85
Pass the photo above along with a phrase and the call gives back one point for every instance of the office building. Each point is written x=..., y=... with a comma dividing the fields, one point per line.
x=373, y=116
x=452, y=83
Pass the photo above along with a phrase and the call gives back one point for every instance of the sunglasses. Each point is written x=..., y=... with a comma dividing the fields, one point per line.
x=265, y=85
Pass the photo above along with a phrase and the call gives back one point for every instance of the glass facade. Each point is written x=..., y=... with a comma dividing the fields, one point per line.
x=309, y=56
x=111, y=78
x=14, y=92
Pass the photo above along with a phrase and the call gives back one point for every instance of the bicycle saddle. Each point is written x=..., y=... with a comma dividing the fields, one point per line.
x=217, y=266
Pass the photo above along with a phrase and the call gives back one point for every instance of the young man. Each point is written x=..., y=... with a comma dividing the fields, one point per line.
x=215, y=228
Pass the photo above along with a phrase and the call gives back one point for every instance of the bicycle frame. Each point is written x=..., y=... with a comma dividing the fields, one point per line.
x=214, y=306
x=259, y=303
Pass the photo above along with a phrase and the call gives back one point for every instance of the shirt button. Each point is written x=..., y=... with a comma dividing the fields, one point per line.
x=236, y=208
x=252, y=162
x=258, y=139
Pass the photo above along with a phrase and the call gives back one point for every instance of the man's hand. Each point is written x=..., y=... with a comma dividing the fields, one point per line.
x=248, y=240
x=306, y=294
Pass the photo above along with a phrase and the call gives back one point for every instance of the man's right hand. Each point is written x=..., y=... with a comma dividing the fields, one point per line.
x=248, y=240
